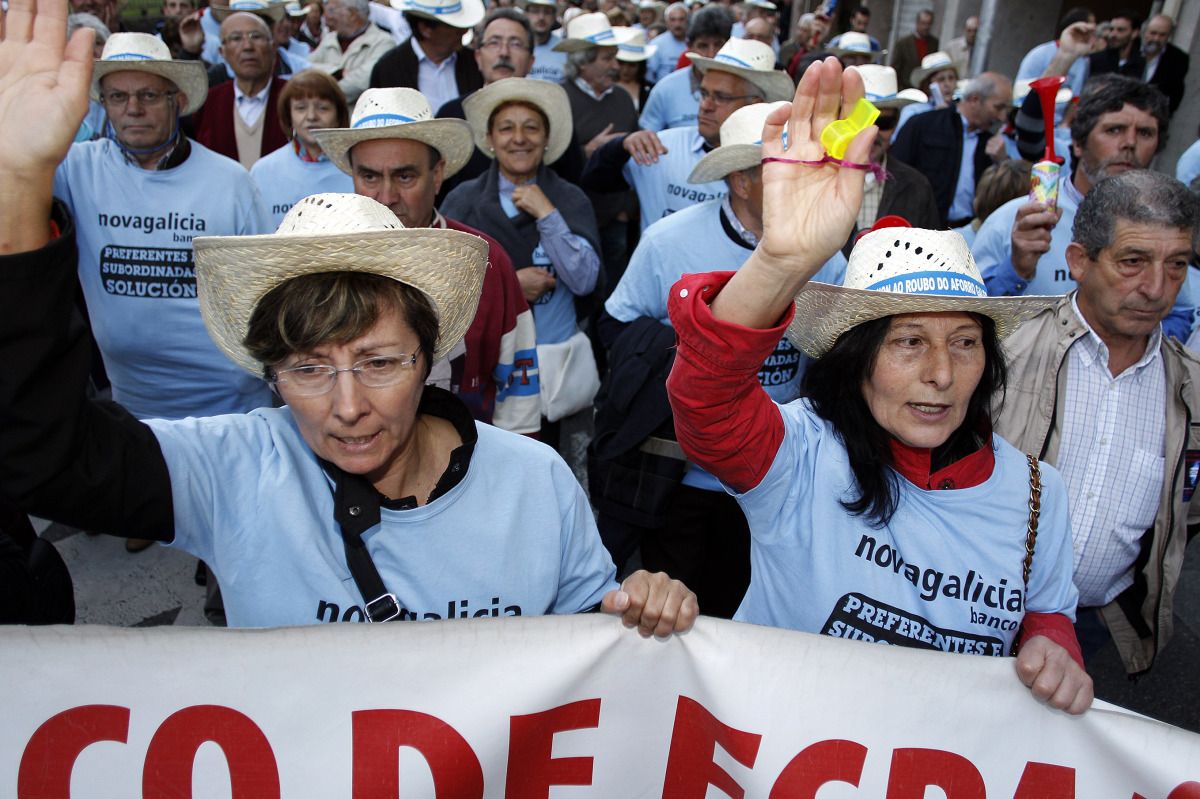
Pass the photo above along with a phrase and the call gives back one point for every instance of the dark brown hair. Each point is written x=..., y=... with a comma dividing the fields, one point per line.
x=311, y=83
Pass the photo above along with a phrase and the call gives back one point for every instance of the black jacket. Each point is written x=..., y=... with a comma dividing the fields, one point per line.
x=932, y=144
x=398, y=67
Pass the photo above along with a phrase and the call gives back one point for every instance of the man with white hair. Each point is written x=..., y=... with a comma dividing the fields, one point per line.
x=351, y=47
x=433, y=60
x=1165, y=65
x=670, y=44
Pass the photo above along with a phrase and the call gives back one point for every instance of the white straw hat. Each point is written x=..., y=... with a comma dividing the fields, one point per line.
x=142, y=52
x=934, y=62
x=753, y=61
x=634, y=48
x=589, y=30
x=455, y=13
x=551, y=98
x=1021, y=89
x=337, y=233
x=272, y=12
x=741, y=144
x=398, y=114
x=295, y=9
x=879, y=86
x=855, y=43
x=900, y=270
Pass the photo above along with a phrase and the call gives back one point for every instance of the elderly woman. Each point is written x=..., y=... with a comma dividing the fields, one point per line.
x=881, y=506
x=368, y=496
x=311, y=100
x=546, y=224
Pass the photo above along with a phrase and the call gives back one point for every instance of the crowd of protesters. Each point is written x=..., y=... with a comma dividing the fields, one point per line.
x=885, y=396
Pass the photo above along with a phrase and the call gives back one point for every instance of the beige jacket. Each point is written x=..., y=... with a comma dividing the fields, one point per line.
x=1140, y=618
x=356, y=63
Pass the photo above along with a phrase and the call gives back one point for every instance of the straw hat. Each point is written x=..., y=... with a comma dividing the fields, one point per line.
x=855, y=43
x=899, y=270
x=295, y=9
x=589, y=30
x=337, y=233
x=455, y=13
x=398, y=114
x=879, y=84
x=741, y=144
x=934, y=62
x=752, y=61
x=634, y=48
x=142, y=52
x=551, y=3
x=272, y=12
x=549, y=97
x=1021, y=89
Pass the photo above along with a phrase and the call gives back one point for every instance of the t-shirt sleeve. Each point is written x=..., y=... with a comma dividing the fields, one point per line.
x=641, y=290
x=1051, y=588
x=586, y=572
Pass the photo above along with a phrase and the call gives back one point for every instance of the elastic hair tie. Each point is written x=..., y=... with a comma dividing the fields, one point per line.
x=828, y=159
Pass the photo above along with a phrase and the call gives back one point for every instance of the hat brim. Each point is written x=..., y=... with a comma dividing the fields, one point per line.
x=273, y=12
x=775, y=85
x=630, y=57
x=233, y=273
x=721, y=161
x=549, y=97
x=901, y=99
x=918, y=75
x=469, y=15
x=824, y=312
x=450, y=137
x=619, y=38
x=188, y=76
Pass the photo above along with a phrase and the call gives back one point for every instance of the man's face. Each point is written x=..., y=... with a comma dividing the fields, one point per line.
x=646, y=16
x=1155, y=35
x=1133, y=282
x=283, y=30
x=706, y=46
x=760, y=30
x=1120, y=31
x=541, y=18
x=986, y=114
x=677, y=20
x=340, y=19
x=442, y=38
x=859, y=22
x=924, y=24
x=971, y=30
x=1121, y=140
x=248, y=47
x=141, y=121
x=722, y=93
x=397, y=173
x=106, y=10
x=503, y=51
x=602, y=73
x=174, y=9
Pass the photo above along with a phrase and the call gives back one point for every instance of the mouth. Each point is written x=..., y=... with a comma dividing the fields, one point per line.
x=929, y=411
x=351, y=445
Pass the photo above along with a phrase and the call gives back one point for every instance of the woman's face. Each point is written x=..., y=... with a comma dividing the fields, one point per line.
x=309, y=114
x=947, y=81
x=629, y=72
x=924, y=375
x=518, y=138
x=362, y=430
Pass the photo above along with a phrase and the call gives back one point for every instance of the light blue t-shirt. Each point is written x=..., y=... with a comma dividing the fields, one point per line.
x=944, y=573
x=515, y=537
x=134, y=228
x=663, y=62
x=1187, y=168
x=283, y=178
x=547, y=64
x=1034, y=64
x=672, y=102
x=697, y=240
x=662, y=187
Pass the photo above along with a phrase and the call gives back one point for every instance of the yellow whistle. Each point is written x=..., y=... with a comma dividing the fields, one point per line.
x=839, y=133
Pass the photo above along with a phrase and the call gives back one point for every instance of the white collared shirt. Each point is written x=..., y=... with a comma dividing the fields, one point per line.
x=250, y=107
x=436, y=81
x=586, y=88
x=1112, y=459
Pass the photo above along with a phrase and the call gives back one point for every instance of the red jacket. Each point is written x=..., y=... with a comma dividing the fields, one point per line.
x=213, y=123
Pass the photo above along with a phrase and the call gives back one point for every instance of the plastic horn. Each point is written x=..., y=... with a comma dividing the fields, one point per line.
x=1044, y=179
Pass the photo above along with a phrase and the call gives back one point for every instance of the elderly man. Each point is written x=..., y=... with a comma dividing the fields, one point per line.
x=547, y=62
x=705, y=534
x=239, y=120
x=1097, y=390
x=670, y=44
x=672, y=101
x=962, y=48
x=351, y=47
x=949, y=146
x=138, y=197
x=1021, y=248
x=401, y=164
x=658, y=165
x=432, y=60
x=1163, y=64
x=912, y=48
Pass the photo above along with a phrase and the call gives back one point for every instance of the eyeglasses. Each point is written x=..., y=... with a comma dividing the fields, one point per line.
x=313, y=380
x=238, y=39
x=147, y=98
x=495, y=43
x=720, y=98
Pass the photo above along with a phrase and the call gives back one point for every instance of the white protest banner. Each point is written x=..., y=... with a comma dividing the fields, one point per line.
x=548, y=708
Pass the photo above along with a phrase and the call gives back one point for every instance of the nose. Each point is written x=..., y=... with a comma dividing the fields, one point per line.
x=348, y=398
x=387, y=195
x=1153, y=285
x=938, y=368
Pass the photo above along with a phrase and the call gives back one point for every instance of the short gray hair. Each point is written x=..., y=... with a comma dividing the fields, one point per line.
x=1140, y=196
x=983, y=86
x=360, y=7
x=577, y=59
x=85, y=20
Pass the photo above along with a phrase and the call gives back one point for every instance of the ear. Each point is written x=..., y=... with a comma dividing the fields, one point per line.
x=739, y=184
x=1078, y=261
x=181, y=101
x=439, y=172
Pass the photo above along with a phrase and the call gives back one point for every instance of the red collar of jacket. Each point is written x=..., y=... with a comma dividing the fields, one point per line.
x=914, y=464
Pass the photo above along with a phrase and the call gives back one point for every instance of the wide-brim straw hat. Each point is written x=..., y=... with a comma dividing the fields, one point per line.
x=855, y=43
x=741, y=144
x=272, y=12
x=455, y=13
x=296, y=9
x=634, y=48
x=399, y=113
x=879, y=87
x=753, y=61
x=551, y=98
x=590, y=30
x=142, y=52
x=337, y=233
x=934, y=62
x=901, y=270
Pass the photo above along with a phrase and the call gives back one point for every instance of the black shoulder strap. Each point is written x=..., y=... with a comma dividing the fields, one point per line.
x=356, y=510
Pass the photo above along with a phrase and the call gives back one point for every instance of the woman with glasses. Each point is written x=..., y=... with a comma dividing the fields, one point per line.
x=368, y=495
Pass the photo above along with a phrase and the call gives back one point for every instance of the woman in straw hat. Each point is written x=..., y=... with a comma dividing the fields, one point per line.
x=368, y=495
x=546, y=224
x=881, y=506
